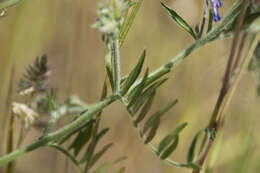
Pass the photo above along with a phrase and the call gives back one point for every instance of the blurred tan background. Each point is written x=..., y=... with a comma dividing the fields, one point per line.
x=61, y=29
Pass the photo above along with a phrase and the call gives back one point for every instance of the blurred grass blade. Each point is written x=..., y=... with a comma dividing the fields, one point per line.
x=156, y=116
x=134, y=74
x=180, y=21
x=125, y=29
x=210, y=24
x=103, y=167
x=108, y=61
x=145, y=109
x=8, y=3
x=171, y=137
x=99, y=154
x=191, y=152
x=146, y=94
x=152, y=132
x=170, y=149
x=82, y=139
x=138, y=89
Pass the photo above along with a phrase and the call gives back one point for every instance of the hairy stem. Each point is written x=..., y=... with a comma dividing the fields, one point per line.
x=85, y=117
x=93, y=143
x=232, y=14
x=209, y=37
x=116, y=60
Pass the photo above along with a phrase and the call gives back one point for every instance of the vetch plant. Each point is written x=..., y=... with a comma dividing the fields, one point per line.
x=135, y=92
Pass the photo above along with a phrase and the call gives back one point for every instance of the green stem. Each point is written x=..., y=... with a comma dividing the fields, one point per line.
x=116, y=59
x=209, y=37
x=87, y=116
x=7, y=4
x=93, y=110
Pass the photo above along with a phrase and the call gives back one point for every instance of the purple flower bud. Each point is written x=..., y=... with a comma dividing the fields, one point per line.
x=216, y=4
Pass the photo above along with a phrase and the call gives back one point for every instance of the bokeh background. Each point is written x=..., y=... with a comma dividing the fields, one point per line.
x=61, y=29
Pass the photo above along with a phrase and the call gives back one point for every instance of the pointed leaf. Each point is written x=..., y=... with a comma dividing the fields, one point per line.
x=108, y=60
x=145, y=109
x=211, y=16
x=82, y=139
x=90, y=148
x=103, y=167
x=99, y=154
x=170, y=149
x=191, y=152
x=125, y=29
x=66, y=137
x=101, y=134
x=180, y=21
x=154, y=118
x=138, y=89
x=171, y=137
x=65, y=152
x=146, y=94
x=134, y=74
x=197, y=29
x=152, y=132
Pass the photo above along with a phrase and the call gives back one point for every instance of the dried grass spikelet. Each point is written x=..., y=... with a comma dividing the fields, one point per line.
x=36, y=77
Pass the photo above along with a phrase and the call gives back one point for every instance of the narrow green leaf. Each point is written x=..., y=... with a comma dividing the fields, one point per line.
x=152, y=132
x=134, y=74
x=171, y=137
x=130, y=20
x=66, y=137
x=99, y=154
x=170, y=149
x=210, y=24
x=146, y=94
x=154, y=118
x=197, y=29
x=101, y=134
x=103, y=167
x=90, y=148
x=65, y=152
x=82, y=139
x=191, y=152
x=145, y=109
x=138, y=89
x=109, y=69
x=180, y=21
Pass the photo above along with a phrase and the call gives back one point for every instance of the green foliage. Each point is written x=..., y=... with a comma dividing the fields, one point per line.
x=129, y=20
x=82, y=138
x=171, y=137
x=134, y=74
x=158, y=115
x=104, y=166
x=191, y=151
x=180, y=21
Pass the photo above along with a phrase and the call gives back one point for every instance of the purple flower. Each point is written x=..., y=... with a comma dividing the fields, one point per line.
x=216, y=4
